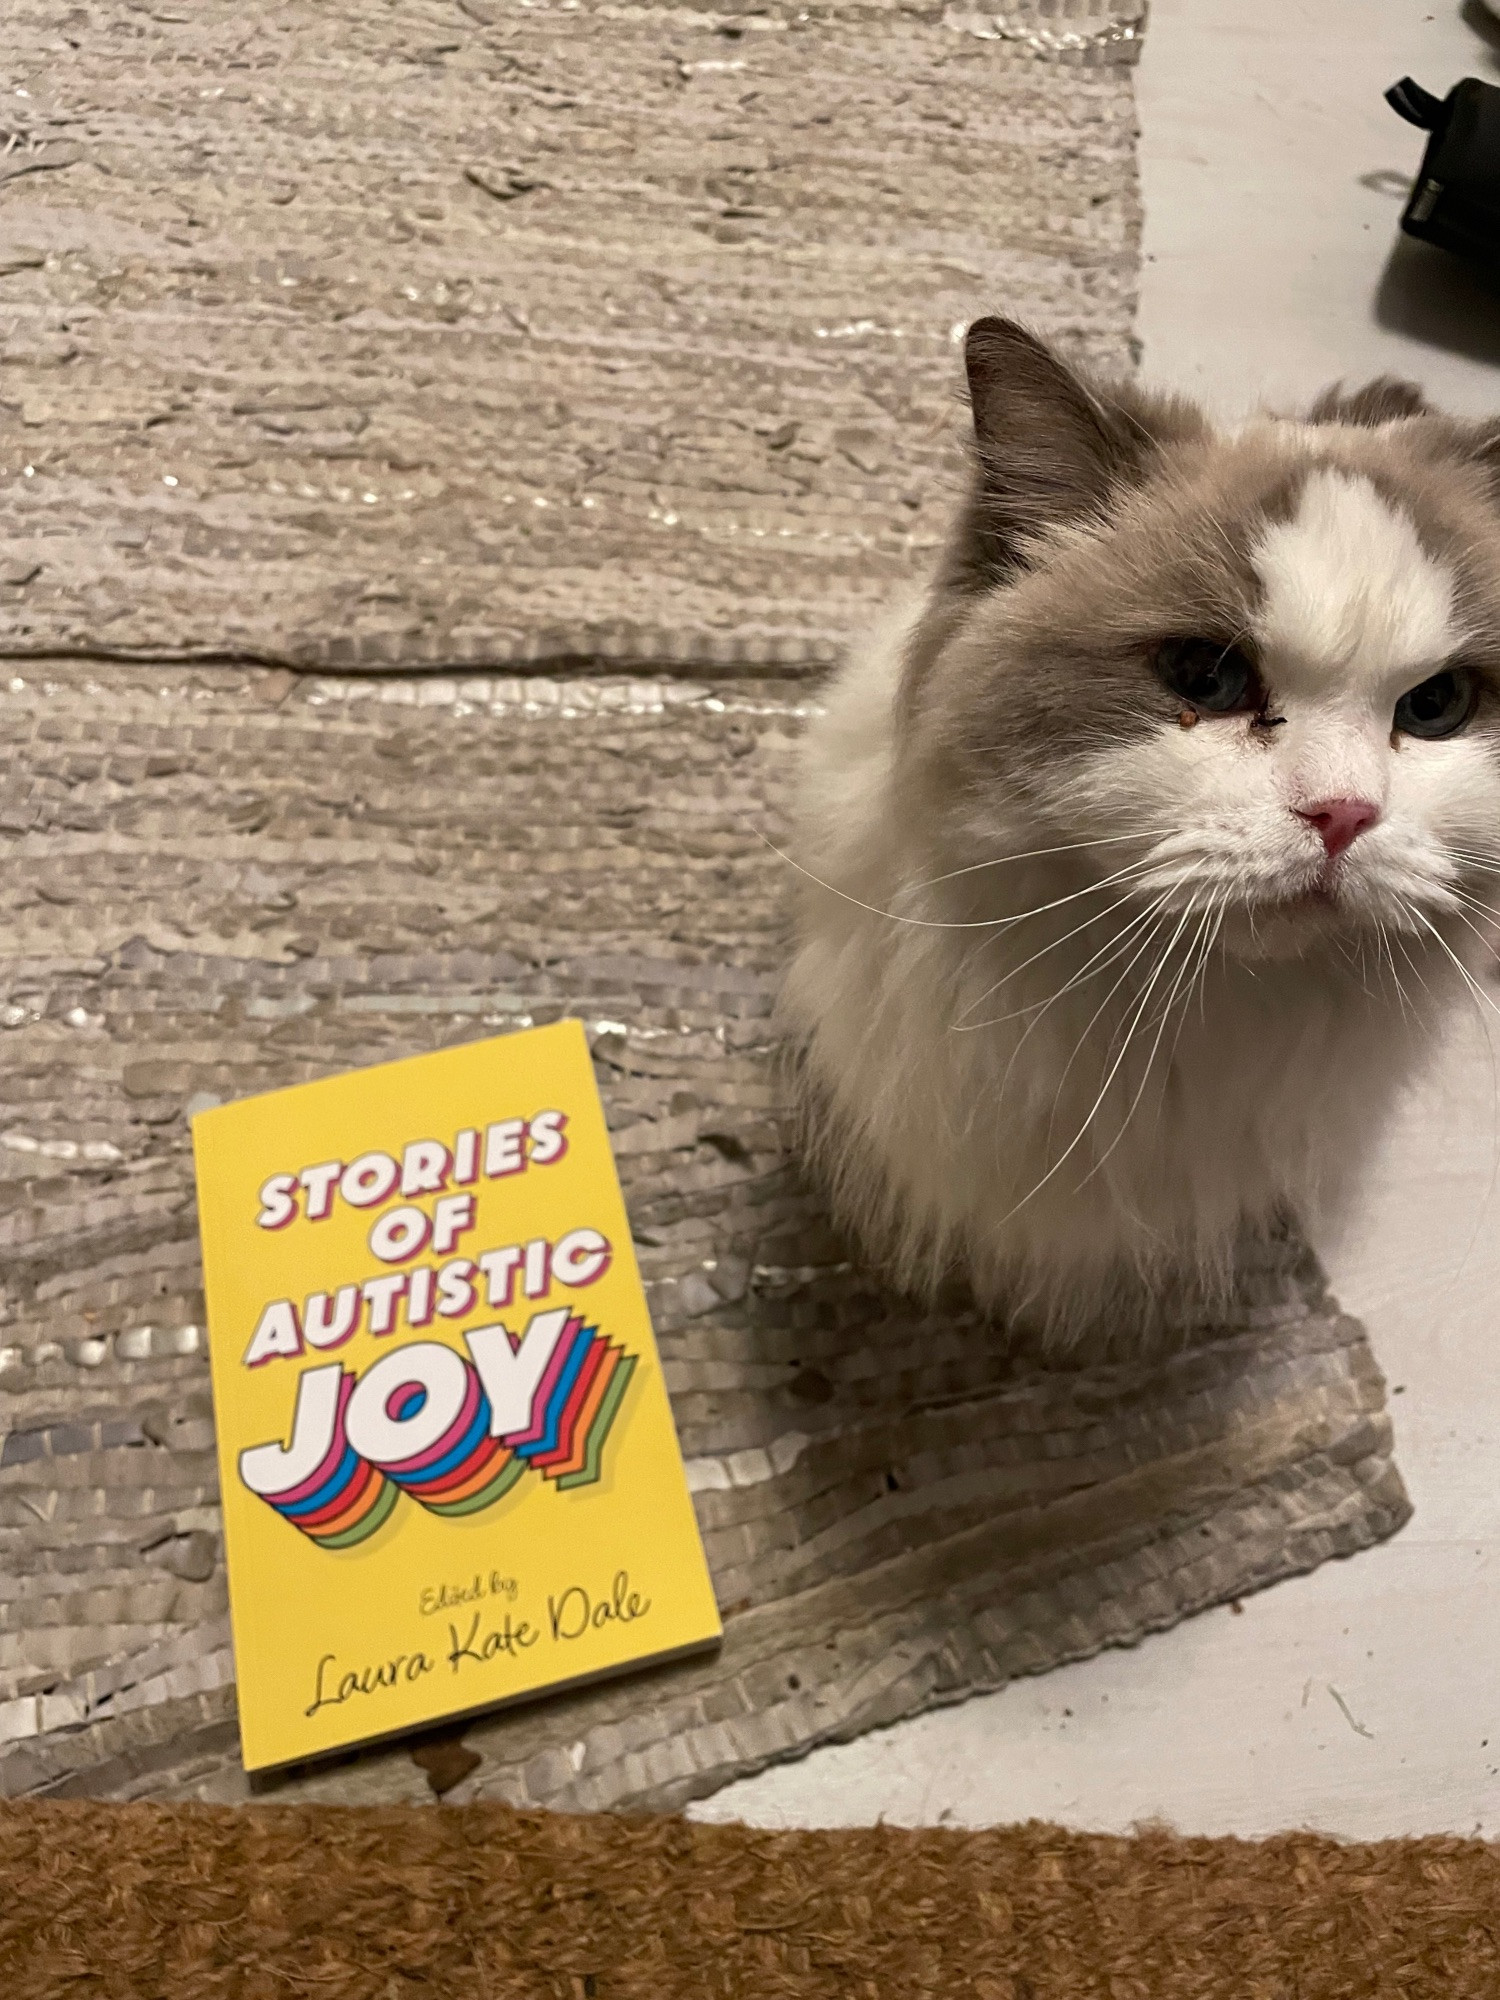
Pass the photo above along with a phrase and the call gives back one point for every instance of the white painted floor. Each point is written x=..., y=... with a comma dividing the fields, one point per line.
x=1363, y=1700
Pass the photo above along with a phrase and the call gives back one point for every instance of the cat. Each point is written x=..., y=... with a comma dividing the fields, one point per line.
x=1141, y=856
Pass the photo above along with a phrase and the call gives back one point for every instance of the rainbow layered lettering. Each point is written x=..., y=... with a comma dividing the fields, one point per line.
x=454, y=1434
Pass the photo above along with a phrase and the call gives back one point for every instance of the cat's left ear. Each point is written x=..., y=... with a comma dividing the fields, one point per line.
x=1386, y=400
x=1051, y=447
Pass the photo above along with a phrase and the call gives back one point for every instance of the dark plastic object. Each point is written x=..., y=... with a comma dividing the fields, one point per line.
x=1455, y=201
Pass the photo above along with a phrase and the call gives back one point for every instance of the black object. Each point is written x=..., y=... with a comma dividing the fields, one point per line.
x=1455, y=201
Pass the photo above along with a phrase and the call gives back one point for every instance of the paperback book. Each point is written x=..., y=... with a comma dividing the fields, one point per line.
x=449, y=1469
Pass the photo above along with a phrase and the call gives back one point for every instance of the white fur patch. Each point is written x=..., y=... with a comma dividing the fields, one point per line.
x=1348, y=585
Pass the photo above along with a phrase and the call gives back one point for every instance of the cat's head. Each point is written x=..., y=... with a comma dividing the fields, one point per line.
x=1269, y=655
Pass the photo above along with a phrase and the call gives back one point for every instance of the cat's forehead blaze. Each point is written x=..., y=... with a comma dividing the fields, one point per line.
x=1342, y=554
x=1347, y=586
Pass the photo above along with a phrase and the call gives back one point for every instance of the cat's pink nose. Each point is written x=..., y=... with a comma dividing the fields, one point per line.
x=1339, y=821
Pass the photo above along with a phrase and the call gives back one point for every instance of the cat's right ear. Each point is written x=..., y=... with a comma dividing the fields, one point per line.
x=1050, y=448
x=1047, y=449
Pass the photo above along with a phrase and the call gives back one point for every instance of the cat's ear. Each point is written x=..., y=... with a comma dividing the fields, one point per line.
x=1050, y=447
x=1382, y=401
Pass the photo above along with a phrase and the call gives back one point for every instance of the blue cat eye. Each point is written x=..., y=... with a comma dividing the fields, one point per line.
x=1440, y=705
x=1212, y=676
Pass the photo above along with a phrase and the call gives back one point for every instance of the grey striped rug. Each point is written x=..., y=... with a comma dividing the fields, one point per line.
x=217, y=881
x=390, y=333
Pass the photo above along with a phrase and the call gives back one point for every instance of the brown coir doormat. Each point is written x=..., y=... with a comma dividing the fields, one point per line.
x=275, y=1903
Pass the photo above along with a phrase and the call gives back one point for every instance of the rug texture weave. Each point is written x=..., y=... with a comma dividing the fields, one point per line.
x=458, y=332
x=218, y=881
x=481, y=1903
x=386, y=333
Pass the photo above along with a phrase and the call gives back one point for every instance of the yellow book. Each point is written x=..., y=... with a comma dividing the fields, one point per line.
x=449, y=1467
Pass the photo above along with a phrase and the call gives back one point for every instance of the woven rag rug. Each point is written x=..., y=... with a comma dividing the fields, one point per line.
x=251, y=878
x=384, y=336
x=467, y=332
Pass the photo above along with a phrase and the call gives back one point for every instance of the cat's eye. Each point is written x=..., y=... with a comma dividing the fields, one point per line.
x=1214, y=677
x=1440, y=705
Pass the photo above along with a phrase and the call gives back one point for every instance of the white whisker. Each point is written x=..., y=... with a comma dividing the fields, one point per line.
x=1139, y=1004
x=1031, y=854
x=1491, y=944
x=1390, y=959
x=941, y=923
x=1475, y=903
x=871, y=909
x=1142, y=945
x=1468, y=978
x=1189, y=963
x=1125, y=874
x=1016, y=970
x=1108, y=953
x=1405, y=953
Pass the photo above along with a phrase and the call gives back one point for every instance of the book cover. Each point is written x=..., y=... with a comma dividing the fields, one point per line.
x=449, y=1468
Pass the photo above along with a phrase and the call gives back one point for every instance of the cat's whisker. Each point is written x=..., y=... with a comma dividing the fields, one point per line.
x=1031, y=854
x=1189, y=962
x=1131, y=869
x=871, y=909
x=1490, y=944
x=1390, y=958
x=1358, y=965
x=1125, y=1026
x=1203, y=946
x=1099, y=961
x=1475, y=903
x=1108, y=954
x=1201, y=980
x=1200, y=953
x=1194, y=959
x=1078, y=1137
x=1432, y=1016
x=1421, y=977
x=971, y=955
x=1458, y=889
x=1390, y=955
x=1477, y=995
x=1407, y=1001
x=1223, y=944
x=1141, y=945
x=1189, y=965
x=1097, y=917
x=1128, y=1026
x=1136, y=947
x=941, y=923
x=1468, y=978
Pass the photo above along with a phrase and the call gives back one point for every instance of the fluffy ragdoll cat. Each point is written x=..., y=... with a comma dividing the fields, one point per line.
x=1142, y=856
